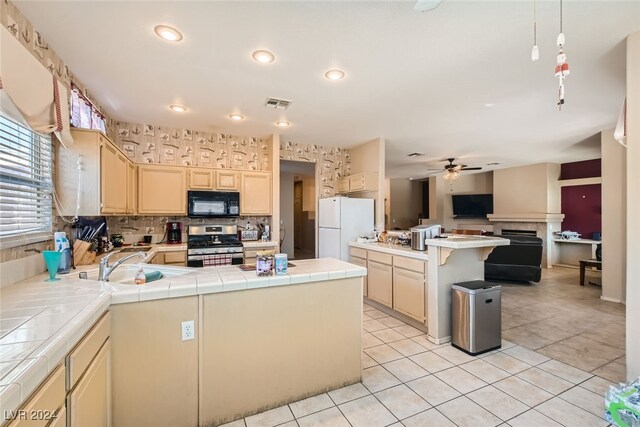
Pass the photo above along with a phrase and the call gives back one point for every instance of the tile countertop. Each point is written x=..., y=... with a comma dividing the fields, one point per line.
x=392, y=249
x=468, y=242
x=258, y=243
x=40, y=321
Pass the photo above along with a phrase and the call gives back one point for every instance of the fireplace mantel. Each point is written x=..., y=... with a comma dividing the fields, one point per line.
x=544, y=224
x=526, y=217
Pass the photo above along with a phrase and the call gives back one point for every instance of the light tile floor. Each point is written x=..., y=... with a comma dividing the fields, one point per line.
x=562, y=348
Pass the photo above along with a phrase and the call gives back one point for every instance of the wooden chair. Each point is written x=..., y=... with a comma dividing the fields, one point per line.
x=584, y=263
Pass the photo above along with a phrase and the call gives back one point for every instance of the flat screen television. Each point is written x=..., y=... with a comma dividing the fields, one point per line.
x=472, y=205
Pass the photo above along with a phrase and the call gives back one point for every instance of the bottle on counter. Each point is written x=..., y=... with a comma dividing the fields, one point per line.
x=62, y=245
x=140, y=279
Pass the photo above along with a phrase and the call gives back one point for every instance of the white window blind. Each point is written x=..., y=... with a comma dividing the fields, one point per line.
x=25, y=185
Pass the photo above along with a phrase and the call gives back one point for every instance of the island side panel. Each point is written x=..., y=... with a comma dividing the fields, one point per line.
x=154, y=374
x=462, y=265
x=263, y=348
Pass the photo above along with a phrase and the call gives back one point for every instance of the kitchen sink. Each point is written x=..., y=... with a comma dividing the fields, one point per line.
x=126, y=274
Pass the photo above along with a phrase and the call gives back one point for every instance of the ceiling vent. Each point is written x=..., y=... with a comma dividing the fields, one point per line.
x=412, y=155
x=278, y=104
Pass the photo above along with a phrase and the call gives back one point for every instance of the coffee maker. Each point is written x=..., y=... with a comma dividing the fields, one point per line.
x=174, y=233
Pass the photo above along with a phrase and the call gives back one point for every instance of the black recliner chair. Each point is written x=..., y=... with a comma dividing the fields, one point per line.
x=520, y=261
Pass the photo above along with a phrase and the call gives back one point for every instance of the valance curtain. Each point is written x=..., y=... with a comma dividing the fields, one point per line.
x=30, y=90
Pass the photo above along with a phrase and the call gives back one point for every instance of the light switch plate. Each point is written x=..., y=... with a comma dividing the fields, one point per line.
x=188, y=330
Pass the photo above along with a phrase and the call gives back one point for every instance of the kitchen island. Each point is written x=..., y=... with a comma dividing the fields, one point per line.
x=255, y=343
x=415, y=286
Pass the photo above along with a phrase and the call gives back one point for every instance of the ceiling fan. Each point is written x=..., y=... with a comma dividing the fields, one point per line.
x=452, y=171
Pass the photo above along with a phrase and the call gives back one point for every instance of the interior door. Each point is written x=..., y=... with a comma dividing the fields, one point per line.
x=329, y=243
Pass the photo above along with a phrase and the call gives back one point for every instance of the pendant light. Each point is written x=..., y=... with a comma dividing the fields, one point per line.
x=535, y=52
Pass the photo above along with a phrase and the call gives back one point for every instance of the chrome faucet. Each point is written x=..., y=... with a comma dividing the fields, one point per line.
x=106, y=269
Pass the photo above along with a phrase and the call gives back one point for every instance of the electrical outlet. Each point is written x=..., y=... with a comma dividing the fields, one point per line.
x=188, y=330
x=150, y=230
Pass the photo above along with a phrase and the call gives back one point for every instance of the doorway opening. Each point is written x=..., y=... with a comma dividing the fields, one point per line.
x=298, y=206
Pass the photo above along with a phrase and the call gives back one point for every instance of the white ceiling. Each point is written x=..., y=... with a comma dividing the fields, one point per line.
x=420, y=80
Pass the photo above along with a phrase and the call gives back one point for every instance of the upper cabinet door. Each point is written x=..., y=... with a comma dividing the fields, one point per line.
x=162, y=190
x=255, y=193
x=132, y=188
x=227, y=181
x=113, y=179
x=201, y=179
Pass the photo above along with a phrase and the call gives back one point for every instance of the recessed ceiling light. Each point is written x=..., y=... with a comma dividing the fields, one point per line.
x=263, y=56
x=334, y=74
x=168, y=33
x=415, y=155
x=178, y=108
x=283, y=124
x=236, y=117
x=489, y=105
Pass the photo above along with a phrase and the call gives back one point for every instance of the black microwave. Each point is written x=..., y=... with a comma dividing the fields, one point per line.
x=213, y=204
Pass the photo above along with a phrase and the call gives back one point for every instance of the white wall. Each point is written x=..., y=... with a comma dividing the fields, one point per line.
x=405, y=203
x=633, y=206
x=286, y=211
x=527, y=189
x=614, y=218
x=440, y=204
x=370, y=157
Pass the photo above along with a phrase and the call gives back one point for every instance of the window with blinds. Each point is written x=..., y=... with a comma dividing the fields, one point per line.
x=25, y=185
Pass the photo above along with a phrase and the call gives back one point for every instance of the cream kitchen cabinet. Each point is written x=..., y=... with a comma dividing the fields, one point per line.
x=45, y=405
x=201, y=179
x=89, y=403
x=162, y=190
x=97, y=169
x=359, y=257
x=409, y=293
x=343, y=185
x=255, y=193
x=88, y=382
x=366, y=181
x=227, y=180
x=177, y=258
x=132, y=188
x=113, y=180
x=380, y=282
x=211, y=179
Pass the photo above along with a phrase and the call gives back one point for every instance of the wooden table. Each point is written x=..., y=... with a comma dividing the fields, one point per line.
x=584, y=263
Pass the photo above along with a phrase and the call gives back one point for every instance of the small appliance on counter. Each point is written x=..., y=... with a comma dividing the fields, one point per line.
x=421, y=233
x=248, y=233
x=174, y=233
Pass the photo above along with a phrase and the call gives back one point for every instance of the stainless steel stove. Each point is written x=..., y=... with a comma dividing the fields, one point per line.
x=213, y=245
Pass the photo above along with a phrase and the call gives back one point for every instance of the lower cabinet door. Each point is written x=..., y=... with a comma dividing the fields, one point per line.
x=61, y=418
x=362, y=263
x=89, y=403
x=408, y=293
x=379, y=282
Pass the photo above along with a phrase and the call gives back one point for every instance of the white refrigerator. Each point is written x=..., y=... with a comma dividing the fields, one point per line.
x=340, y=221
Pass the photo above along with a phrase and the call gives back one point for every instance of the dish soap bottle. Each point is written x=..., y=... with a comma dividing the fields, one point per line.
x=141, y=279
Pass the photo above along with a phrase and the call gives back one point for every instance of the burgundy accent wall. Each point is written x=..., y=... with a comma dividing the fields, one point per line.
x=582, y=209
x=584, y=169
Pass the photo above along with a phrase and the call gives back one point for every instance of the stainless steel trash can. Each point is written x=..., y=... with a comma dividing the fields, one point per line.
x=476, y=316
